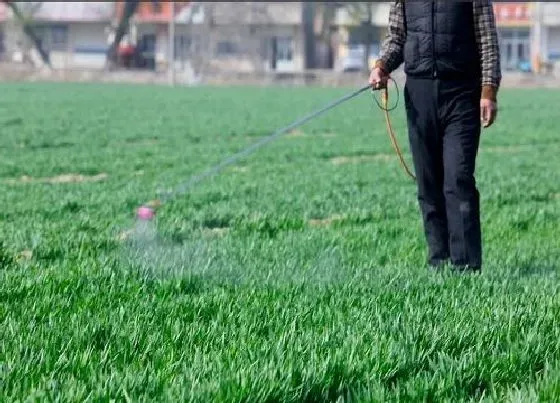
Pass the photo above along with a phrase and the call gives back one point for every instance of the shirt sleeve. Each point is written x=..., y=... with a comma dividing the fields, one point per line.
x=487, y=39
x=391, y=55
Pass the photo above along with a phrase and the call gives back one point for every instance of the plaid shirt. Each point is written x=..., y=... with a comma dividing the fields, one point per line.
x=486, y=37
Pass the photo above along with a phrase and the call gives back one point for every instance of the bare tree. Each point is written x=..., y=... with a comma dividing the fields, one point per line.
x=326, y=13
x=225, y=18
x=24, y=11
x=258, y=45
x=362, y=13
x=130, y=7
x=308, y=20
x=199, y=49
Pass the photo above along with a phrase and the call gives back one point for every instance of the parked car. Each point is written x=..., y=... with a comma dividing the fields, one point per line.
x=524, y=66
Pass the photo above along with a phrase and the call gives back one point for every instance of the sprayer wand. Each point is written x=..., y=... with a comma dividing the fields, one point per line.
x=147, y=211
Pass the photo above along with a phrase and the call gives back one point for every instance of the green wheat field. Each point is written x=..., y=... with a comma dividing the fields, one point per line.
x=295, y=275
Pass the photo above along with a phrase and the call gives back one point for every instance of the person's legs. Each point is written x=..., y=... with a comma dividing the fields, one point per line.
x=460, y=116
x=426, y=146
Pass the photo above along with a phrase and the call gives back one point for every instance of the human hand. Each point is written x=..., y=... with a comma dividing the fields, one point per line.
x=488, y=112
x=378, y=78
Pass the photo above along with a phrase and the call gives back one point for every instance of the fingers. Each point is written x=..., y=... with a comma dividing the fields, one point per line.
x=488, y=113
x=377, y=79
x=484, y=115
x=380, y=84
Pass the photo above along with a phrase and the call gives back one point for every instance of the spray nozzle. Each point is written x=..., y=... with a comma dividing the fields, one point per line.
x=145, y=213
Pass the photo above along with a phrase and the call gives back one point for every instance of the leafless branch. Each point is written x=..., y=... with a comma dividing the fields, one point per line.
x=24, y=13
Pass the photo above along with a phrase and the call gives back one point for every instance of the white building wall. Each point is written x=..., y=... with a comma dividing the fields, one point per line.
x=87, y=45
x=553, y=42
x=238, y=34
x=550, y=13
x=550, y=19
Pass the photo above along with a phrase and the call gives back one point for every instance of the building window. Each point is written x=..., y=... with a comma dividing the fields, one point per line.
x=226, y=48
x=515, y=45
x=183, y=47
x=284, y=49
x=148, y=43
x=59, y=37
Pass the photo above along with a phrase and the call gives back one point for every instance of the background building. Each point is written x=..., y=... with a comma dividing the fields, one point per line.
x=356, y=30
x=73, y=34
x=246, y=37
x=514, y=22
x=3, y=17
x=549, y=24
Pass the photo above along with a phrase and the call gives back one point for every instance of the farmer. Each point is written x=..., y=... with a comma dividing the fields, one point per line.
x=452, y=65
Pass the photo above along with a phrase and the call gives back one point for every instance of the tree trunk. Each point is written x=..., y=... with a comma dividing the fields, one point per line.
x=130, y=7
x=308, y=17
x=29, y=32
x=328, y=11
x=368, y=37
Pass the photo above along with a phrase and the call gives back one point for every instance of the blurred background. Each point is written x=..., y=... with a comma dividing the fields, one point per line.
x=187, y=43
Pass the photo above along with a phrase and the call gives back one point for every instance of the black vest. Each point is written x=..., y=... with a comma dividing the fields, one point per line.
x=440, y=39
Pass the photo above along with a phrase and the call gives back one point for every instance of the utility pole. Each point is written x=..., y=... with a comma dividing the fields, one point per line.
x=171, y=64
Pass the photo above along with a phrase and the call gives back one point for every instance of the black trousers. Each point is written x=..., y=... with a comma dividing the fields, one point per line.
x=444, y=133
